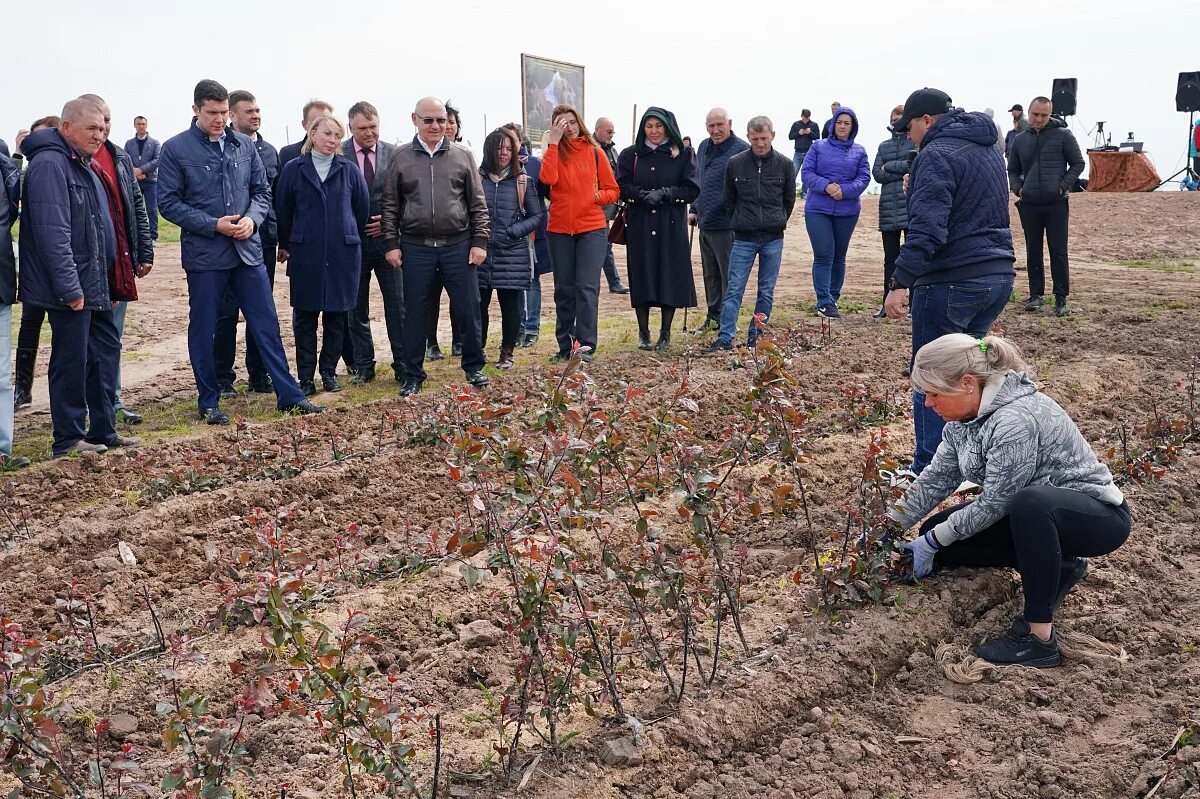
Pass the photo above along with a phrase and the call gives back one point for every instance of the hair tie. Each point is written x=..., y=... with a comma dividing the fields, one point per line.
x=983, y=346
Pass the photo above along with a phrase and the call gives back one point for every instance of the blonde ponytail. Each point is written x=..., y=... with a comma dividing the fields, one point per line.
x=941, y=364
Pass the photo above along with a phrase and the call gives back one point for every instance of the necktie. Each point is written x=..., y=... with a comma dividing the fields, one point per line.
x=368, y=168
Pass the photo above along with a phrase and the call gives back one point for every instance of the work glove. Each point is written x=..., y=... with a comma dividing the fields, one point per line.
x=923, y=549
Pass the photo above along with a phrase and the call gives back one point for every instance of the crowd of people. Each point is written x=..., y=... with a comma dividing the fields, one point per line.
x=427, y=215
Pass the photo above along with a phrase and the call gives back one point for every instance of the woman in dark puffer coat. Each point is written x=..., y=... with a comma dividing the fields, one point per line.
x=516, y=210
x=891, y=165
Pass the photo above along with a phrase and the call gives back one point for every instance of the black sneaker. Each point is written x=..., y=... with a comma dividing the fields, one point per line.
x=433, y=353
x=1020, y=647
x=618, y=288
x=880, y=314
x=308, y=388
x=331, y=383
x=528, y=340
x=227, y=391
x=456, y=349
x=720, y=345
x=364, y=376
x=1061, y=308
x=1073, y=571
x=214, y=416
x=560, y=357
x=127, y=416
x=829, y=312
x=409, y=387
x=301, y=408
x=1034, y=304
x=477, y=379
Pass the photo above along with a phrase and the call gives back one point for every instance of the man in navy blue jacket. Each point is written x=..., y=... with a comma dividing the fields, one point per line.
x=214, y=186
x=68, y=243
x=246, y=117
x=708, y=212
x=957, y=258
x=143, y=150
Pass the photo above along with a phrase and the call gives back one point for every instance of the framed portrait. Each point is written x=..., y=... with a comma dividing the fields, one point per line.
x=546, y=83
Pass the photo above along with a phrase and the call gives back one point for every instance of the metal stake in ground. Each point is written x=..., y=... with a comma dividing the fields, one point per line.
x=691, y=238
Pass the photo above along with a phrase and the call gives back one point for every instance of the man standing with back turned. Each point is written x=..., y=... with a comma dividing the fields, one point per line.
x=957, y=257
x=1043, y=164
x=213, y=185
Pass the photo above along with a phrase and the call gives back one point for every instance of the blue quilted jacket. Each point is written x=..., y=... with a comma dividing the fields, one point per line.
x=958, y=223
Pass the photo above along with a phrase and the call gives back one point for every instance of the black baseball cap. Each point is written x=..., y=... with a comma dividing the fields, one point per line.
x=922, y=102
x=1017, y=107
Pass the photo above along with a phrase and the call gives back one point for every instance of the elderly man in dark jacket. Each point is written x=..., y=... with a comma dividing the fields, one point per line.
x=68, y=244
x=436, y=224
x=892, y=162
x=708, y=212
x=213, y=185
x=1043, y=164
x=957, y=257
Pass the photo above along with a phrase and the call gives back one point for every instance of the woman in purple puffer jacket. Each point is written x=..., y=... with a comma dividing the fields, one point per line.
x=836, y=173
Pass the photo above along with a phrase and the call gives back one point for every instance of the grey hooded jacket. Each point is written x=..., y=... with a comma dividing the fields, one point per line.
x=1020, y=438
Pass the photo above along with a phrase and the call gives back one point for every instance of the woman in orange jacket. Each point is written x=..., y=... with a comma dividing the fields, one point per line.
x=581, y=183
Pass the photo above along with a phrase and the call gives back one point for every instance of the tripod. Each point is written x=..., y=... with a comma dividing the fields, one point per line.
x=1187, y=171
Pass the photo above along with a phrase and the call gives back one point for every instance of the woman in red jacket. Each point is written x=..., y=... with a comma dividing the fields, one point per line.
x=581, y=183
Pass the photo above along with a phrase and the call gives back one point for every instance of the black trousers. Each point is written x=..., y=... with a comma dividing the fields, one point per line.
x=1048, y=223
x=450, y=266
x=715, y=247
x=85, y=351
x=1045, y=526
x=392, y=288
x=435, y=312
x=29, y=334
x=225, y=340
x=510, y=315
x=333, y=331
x=891, y=250
x=578, y=261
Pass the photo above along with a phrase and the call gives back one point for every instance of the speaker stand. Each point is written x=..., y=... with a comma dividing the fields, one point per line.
x=1187, y=170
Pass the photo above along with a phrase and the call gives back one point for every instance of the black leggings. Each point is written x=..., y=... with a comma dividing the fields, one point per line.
x=1045, y=526
x=30, y=332
x=510, y=315
x=891, y=251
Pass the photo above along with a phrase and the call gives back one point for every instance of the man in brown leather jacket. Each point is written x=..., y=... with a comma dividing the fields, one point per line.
x=435, y=222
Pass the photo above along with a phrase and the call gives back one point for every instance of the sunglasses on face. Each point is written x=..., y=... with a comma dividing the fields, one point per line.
x=434, y=120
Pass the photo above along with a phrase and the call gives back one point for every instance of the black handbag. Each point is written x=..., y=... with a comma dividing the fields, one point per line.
x=617, y=232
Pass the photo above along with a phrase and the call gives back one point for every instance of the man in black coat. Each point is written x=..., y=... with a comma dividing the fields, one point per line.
x=246, y=117
x=372, y=155
x=827, y=129
x=603, y=134
x=804, y=132
x=1043, y=164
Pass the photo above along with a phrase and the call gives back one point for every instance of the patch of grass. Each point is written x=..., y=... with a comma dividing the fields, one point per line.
x=168, y=232
x=1186, y=265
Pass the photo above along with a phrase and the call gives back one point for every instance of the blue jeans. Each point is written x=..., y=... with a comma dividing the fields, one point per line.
x=741, y=258
x=6, y=384
x=531, y=308
x=966, y=306
x=797, y=162
x=830, y=237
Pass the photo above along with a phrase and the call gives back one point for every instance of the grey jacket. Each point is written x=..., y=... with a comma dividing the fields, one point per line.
x=373, y=245
x=431, y=197
x=891, y=165
x=147, y=159
x=1020, y=438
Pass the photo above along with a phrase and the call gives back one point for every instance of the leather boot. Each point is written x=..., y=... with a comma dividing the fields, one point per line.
x=506, y=358
x=643, y=321
x=664, y=332
x=23, y=377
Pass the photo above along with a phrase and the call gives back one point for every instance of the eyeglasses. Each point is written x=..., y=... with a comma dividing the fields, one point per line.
x=434, y=120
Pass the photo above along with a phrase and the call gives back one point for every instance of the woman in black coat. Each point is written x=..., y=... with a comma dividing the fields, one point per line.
x=516, y=211
x=658, y=179
x=322, y=204
x=891, y=165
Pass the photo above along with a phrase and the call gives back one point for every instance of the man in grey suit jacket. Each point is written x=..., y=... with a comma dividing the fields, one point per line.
x=144, y=150
x=369, y=154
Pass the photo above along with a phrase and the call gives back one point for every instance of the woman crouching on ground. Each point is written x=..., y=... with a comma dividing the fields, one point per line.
x=1047, y=503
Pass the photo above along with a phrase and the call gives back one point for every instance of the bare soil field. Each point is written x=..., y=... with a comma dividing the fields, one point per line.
x=850, y=701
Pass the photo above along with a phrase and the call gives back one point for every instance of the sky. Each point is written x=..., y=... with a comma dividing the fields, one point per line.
x=760, y=57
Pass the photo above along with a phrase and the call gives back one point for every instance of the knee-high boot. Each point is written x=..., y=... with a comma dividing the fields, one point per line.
x=23, y=376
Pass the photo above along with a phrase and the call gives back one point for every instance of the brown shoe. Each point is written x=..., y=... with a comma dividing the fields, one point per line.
x=81, y=447
x=124, y=441
x=10, y=463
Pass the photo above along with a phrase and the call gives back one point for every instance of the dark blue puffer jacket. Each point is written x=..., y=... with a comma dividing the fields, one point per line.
x=958, y=225
x=509, y=264
x=64, y=249
x=712, y=160
x=834, y=161
x=891, y=165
